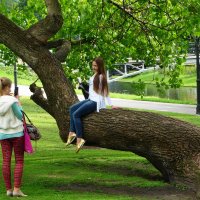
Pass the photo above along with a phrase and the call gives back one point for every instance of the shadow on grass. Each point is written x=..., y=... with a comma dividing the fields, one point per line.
x=138, y=170
x=109, y=186
x=166, y=192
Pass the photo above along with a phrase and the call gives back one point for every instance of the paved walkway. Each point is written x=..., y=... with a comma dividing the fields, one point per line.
x=147, y=105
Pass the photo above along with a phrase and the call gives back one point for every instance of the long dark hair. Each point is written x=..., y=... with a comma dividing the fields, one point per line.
x=101, y=71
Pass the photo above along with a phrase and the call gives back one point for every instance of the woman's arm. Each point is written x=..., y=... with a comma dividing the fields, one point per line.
x=108, y=99
x=17, y=111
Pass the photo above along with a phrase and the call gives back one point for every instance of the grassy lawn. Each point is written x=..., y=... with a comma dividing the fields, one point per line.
x=25, y=77
x=55, y=172
x=150, y=98
x=188, y=77
x=145, y=98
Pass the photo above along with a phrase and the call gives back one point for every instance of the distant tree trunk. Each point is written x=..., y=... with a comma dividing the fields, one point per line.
x=171, y=145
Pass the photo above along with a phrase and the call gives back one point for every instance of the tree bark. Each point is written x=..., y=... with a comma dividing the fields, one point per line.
x=48, y=27
x=171, y=145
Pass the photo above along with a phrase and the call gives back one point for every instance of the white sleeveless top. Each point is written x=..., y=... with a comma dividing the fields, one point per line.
x=98, y=97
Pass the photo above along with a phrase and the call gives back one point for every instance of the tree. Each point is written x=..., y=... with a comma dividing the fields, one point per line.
x=172, y=146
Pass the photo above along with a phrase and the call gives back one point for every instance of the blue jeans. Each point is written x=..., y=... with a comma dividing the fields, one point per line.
x=77, y=111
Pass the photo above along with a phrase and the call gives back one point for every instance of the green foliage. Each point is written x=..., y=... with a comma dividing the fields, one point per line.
x=139, y=87
x=7, y=57
x=7, y=5
x=144, y=30
x=173, y=78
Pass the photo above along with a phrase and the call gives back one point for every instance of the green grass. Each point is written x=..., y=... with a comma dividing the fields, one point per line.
x=55, y=172
x=145, y=98
x=188, y=77
x=25, y=77
x=193, y=119
x=149, y=98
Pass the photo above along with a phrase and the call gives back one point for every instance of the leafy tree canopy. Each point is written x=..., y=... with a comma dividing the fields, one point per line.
x=147, y=30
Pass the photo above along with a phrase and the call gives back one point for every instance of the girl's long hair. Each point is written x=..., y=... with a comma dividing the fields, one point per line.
x=4, y=82
x=101, y=71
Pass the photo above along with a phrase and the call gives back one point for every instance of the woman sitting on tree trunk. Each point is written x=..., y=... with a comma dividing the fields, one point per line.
x=98, y=92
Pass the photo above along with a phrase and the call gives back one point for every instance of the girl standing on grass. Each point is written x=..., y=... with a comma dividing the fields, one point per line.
x=11, y=137
x=98, y=92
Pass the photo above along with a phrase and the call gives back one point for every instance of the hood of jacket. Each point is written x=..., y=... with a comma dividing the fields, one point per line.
x=6, y=102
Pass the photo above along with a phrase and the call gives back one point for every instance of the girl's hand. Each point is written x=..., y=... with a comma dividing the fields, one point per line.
x=19, y=103
x=17, y=97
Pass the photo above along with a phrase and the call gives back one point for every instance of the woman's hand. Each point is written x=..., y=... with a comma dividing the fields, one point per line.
x=115, y=107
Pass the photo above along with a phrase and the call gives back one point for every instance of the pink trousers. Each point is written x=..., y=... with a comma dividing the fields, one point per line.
x=7, y=147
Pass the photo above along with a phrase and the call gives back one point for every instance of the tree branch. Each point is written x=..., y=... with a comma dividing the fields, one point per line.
x=143, y=24
x=62, y=51
x=39, y=99
x=46, y=28
x=62, y=46
x=54, y=44
x=16, y=39
x=82, y=41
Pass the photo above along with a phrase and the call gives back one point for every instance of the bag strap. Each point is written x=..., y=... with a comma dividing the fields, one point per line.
x=24, y=114
x=24, y=123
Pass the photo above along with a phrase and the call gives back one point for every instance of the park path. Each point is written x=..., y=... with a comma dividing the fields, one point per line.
x=147, y=105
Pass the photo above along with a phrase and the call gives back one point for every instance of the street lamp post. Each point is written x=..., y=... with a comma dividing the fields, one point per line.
x=15, y=79
x=198, y=74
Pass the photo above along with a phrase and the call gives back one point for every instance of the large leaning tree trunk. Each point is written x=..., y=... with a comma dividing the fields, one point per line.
x=172, y=146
